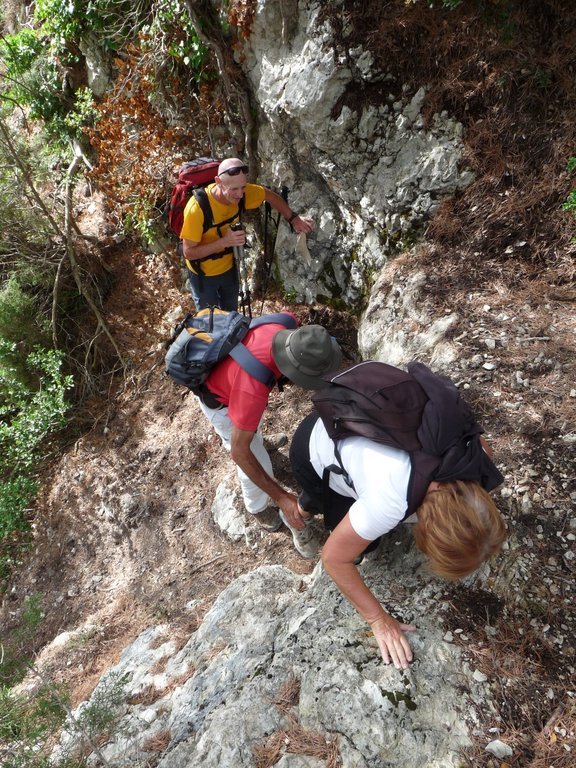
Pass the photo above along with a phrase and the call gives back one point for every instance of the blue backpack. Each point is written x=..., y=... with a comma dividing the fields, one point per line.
x=203, y=339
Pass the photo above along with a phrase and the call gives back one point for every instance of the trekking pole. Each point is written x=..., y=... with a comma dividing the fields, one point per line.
x=269, y=251
x=239, y=257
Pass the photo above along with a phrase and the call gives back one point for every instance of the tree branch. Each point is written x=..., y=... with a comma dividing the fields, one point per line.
x=74, y=264
x=203, y=16
x=66, y=235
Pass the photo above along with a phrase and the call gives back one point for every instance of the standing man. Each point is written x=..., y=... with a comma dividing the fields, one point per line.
x=234, y=403
x=208, y=254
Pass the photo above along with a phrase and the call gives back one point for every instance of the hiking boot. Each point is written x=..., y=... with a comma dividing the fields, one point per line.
x=269, y=519
x=305, y=541
x=275, y=441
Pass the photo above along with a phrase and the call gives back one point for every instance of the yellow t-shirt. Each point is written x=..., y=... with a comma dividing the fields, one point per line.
x=254, y=196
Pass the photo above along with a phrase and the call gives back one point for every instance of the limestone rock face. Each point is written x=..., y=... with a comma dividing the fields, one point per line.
x=215, y=700
x=97, y=65
x=398, y=326
x=369, y=173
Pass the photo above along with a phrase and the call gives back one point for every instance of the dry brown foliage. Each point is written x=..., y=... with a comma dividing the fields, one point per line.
x=148, y=695
x=151, y=693
x=139, y=150
x=288, y=695
x=537, y=716
x=241, y=16
x=215, y=651
x=294, y=738
x=158, y=742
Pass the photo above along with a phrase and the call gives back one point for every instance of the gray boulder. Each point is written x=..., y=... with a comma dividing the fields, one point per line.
x=282, y=663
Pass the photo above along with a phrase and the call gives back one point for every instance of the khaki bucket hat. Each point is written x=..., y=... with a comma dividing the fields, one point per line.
x=306, y=354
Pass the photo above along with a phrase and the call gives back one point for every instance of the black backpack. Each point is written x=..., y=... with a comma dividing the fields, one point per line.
x=416, y=411
x=203, y=339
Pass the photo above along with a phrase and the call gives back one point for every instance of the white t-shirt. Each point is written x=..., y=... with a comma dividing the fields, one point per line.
x=380, y=475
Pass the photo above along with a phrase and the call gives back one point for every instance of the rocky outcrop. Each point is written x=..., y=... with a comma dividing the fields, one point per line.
x=282, y=663
x=366, y=167
x=400, y=324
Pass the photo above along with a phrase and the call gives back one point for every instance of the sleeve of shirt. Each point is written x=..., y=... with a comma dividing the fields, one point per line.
x=192, y=226
x=381, y=488
x=254, y=196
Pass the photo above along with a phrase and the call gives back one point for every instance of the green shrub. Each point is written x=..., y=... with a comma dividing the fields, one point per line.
x=34, y=75
x=30, y=410
x=15, y=498
x=172, y=25
x=33, y=414
x=26, y=725
x=84, y=113
x=29, y=725
x=15, y=660
x=570, y=204
x=16, y=309
x=101, y=713
x=20, y=51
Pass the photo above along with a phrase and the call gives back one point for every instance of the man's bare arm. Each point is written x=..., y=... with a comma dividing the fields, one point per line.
x=299, y=223
x=193, y=251
x=245, y=459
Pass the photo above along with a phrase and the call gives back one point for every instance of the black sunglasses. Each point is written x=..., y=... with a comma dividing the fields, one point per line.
x=235, y=171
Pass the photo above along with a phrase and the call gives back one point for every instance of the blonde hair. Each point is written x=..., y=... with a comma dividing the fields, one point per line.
x=458, y=528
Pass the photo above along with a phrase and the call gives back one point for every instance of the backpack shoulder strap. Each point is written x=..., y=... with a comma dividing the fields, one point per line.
x=246, y=360
x=254, y=367
x=202, y=199
x=337, y=469
x=423, y=468
x=281, y=318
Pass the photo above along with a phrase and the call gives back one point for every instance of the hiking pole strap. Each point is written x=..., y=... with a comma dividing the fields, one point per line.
x=244, y=292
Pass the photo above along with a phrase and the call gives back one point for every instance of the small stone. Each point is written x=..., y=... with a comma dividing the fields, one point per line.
x=480, y=677
x=499, y=749
x=448, y=637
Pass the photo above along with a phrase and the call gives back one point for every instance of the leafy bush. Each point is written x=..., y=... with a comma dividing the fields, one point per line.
x=84, y=113
x=570, y=204
x=65, y=20
x=34, y=74
x=20, y=51
x=15, y=659
x=172, y=27
x=29, y=411
x=16, y=310
x=29, y=725
x=15, y=497
x=29, y=720
x=38, y=415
